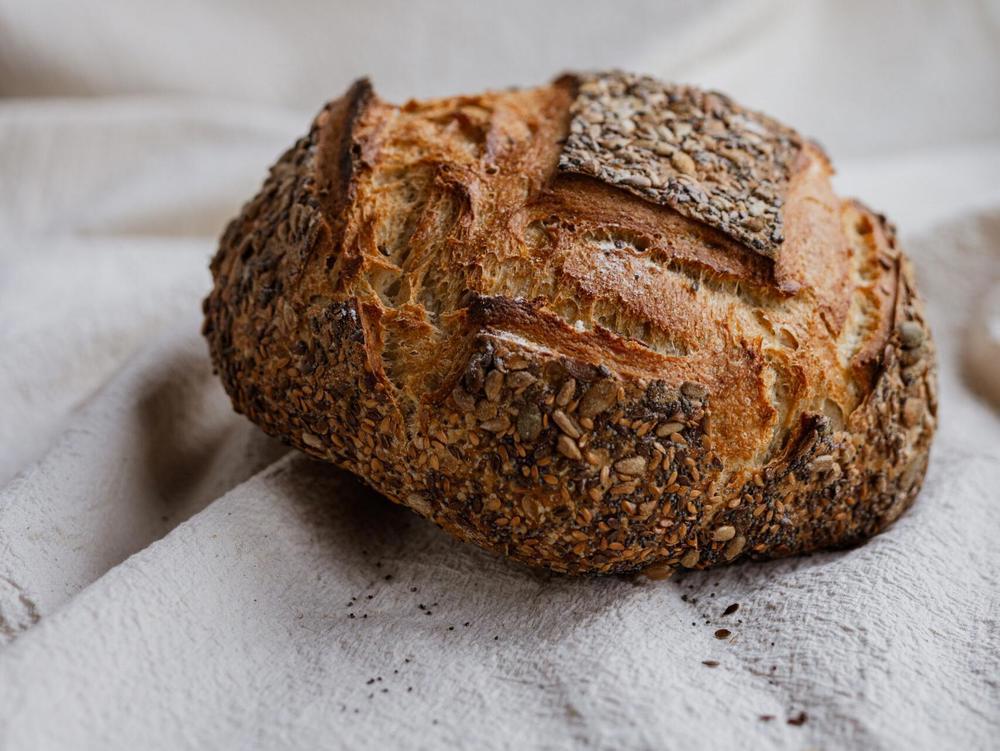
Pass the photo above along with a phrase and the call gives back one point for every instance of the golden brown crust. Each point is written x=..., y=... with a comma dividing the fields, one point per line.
x=562, y=371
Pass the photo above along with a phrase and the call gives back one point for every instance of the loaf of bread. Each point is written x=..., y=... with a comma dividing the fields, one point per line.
x=602, y=325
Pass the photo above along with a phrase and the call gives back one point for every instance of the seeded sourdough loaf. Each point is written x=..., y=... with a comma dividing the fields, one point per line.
x=602, y=325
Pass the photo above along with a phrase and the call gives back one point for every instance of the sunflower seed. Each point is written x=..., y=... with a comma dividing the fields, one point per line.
x=566, y=424
x=724, y=533
x=634, y=465
x=568, y=448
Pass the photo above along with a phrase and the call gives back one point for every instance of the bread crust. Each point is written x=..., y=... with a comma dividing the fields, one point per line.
x=557, y=369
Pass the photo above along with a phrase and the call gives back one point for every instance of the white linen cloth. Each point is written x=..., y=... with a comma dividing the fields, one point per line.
x=171, y=578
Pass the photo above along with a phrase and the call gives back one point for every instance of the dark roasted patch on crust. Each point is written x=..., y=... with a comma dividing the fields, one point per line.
x=698, y=152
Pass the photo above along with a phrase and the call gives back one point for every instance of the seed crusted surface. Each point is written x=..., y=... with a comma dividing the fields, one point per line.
x=695, y=151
